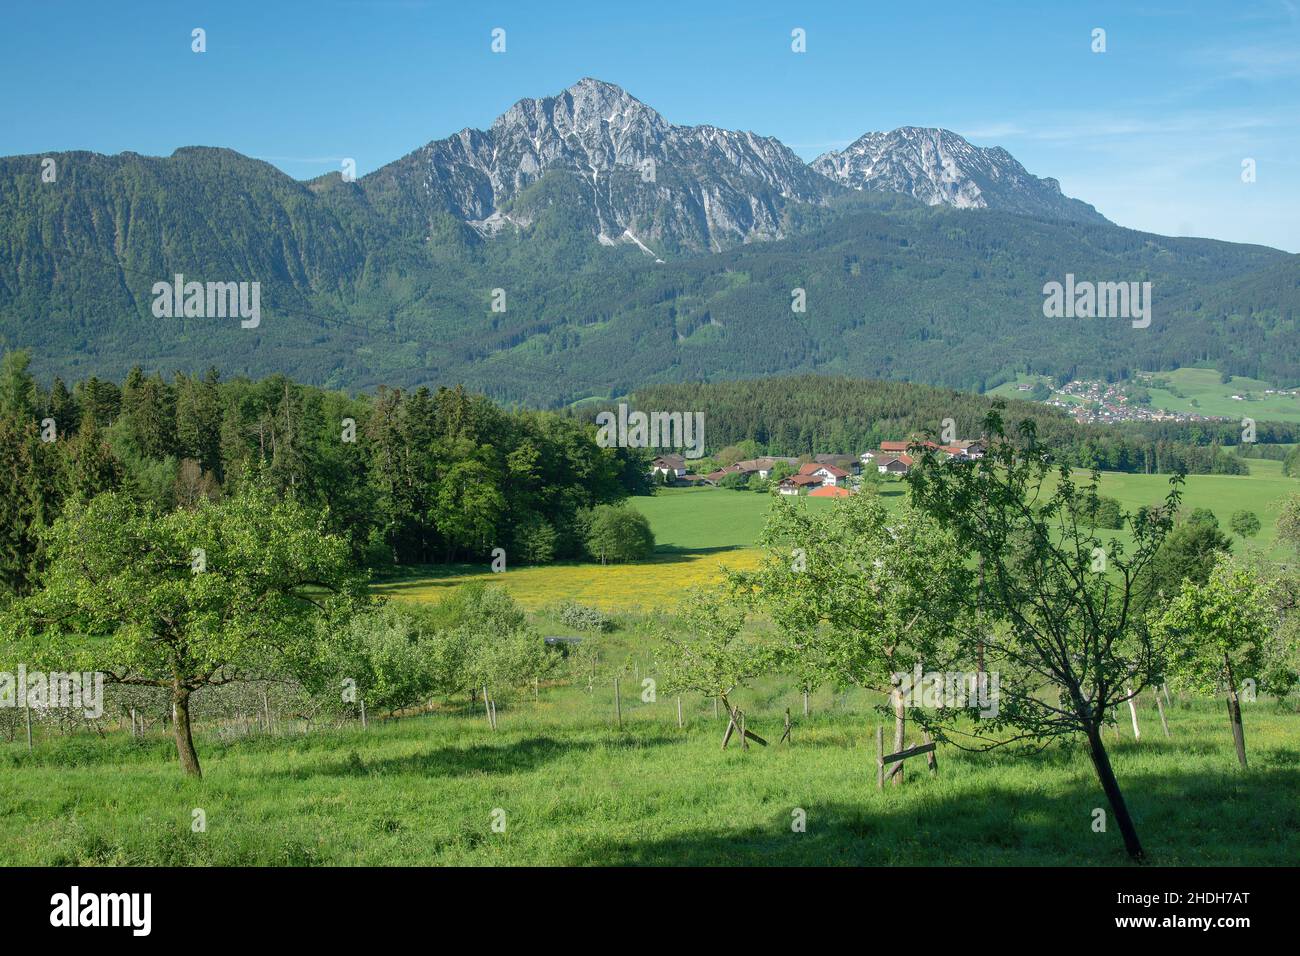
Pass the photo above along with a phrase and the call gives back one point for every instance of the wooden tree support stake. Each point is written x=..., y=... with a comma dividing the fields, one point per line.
x=679, y=712
x=785, y=736
x=902, y=755
x=931, y=758
x=618, y=705
x=1133, y=712
x=1160, y=706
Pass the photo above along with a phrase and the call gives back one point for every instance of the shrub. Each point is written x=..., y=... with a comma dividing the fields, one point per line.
x=619, y=533
x=580, y=617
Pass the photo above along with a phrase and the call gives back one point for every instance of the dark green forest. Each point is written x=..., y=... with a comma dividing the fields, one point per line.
x=405, y=477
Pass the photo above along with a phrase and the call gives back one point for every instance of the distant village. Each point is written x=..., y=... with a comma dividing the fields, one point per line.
x=825, y=476
x=1107, y=403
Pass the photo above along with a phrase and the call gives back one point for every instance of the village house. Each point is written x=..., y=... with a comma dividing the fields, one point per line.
x=673, y=466
x=828, y=474
x=752, y=466
x=894, y=464
x=848, y=463
x=797, y=483
x=763, y=466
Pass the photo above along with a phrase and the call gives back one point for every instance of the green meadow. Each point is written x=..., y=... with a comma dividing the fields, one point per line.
x=560, y=782
x=1199, y=391
x=700, y=531
x=571, y=787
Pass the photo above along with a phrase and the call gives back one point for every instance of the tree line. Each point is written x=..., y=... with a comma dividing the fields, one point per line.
x=812, y=414
x=403, y=477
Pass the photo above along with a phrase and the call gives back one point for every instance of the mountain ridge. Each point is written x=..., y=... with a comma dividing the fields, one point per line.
x=383, y=280
x=938, y=166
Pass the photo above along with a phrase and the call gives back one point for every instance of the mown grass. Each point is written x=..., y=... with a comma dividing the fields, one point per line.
x=576, y=789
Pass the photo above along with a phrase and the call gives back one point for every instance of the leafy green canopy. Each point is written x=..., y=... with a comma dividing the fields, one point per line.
x=227, y=591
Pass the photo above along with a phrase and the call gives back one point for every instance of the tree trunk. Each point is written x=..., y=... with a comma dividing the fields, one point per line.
x=181, y=729
x=1101, y=763
x=1234, y=713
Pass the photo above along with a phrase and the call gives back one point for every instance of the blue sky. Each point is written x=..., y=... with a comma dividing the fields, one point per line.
x=1152, y=132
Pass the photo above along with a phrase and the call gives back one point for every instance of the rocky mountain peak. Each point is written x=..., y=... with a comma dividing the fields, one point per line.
x=938, y=166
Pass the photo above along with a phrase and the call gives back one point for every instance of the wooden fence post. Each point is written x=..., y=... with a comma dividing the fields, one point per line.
x=786, y=734
x=880, y=757
x=744, y=741
x=266, y=711
x=618, y=705
x=27, y=713
x=805, y=703
x=931, y=758
x=364, y=725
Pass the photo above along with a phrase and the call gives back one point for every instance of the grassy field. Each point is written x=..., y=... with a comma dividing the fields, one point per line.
x=575, y=789
x=700, y=530
x=1192, y=390
x=1200, y=390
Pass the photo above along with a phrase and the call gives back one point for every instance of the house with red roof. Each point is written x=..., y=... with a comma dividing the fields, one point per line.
x=829, y=491
x=894, y=464
x=797, y=483
x=829, y=474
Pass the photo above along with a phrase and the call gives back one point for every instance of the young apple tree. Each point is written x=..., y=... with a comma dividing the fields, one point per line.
x=706, y=649
x=1062, y=619
x=860, y=594
x=190, y=599
x=1221, y=631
